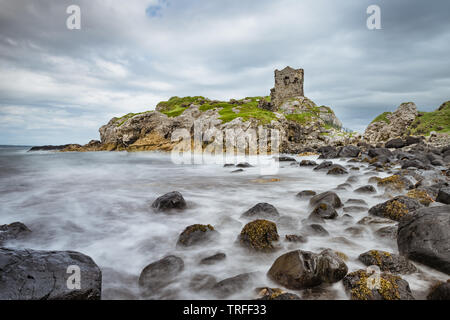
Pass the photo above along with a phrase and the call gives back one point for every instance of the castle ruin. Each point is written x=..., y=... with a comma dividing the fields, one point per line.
x=288, y=84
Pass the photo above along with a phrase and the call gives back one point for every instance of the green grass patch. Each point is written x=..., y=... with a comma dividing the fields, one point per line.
x=302, y=118
x=175, y=106
x=120, y=121
x=382, y=117
x=438, y=121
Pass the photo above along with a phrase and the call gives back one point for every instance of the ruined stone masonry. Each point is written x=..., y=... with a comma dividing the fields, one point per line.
x=288, y=84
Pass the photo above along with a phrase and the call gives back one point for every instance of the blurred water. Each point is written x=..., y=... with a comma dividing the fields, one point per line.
x=99, y=204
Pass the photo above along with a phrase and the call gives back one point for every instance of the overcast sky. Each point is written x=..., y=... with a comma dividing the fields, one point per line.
x=59, y=86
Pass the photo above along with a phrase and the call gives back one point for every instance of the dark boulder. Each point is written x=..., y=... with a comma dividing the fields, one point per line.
x=359, y=286
x=389, y=232
x=315, y=230
x=323, y=211
x=295, y=238
x=227, y=287
x=307, y=163
x=387, y=261
x=424, y=236
x=395, y=143
x=213, y=259
x=15, y=230
x=275, y=294
x=46, y=275
x=337, y=169
x=328, y=152
x=159, y=274
x=304, y=269
x=196, y=234
x=244, y=165
x=366, y=189
x=440, y=291
x=395, y=208
x=349, y=152
x=170, y=201
x=412, y=140
x=325, y=165
x=202, y=282
x=377, y=152
x=356, y=201
x=328, y=197
x=285, y=159
x=444, y=195
x=261, y=210
x=306, y=194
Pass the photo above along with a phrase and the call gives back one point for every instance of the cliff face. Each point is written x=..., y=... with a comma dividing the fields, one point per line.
x=406, y=121
x=300, y=123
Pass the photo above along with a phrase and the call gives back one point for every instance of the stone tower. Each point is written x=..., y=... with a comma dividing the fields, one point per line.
x=288, y=84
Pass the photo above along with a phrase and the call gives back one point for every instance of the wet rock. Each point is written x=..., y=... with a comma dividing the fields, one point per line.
x=352, y=179
x=325, y=165
x=356, y=201
x=304, y=269
x=227, y=287
x=440, y=291
x=323, y=211
x=238, y=170
x=213, y=259
x=196, y=234
x=349, y=152
x=308, y=163
x=420, y=195
x=355, y=209
x=444, y=195
x=261, y=210
x=389, y=232
x=413, y=164
x=315, y=230
x=366, y=189
x=244, y=165
x=285, y=159
x=394, y=183
x=395, y=208
x=169, y=201
x=378, y=152
x=295, y=238
x=43, y=275
x=337, y=170
x=412, y=140
x=373, y=221
x=328, y=152
x=228, y=165
x=356, y=231
x=387, y=261
x=328, y=197
x=343, y=186
x=395, y=143
x=159, y=274
x=275, y=294
x=306, y=194
x=258, y=235
x=202, y=282
x=358, y=286
x=423, y=236
x=15, y=230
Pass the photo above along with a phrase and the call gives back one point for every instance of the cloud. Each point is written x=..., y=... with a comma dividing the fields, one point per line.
x=59, y=86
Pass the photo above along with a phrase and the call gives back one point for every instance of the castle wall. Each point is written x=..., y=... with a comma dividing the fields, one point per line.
x=288, y=84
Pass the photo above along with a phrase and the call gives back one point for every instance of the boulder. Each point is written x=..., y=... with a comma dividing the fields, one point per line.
x=378, y=152
x=359, y=286
x=395, y=208
x=315, y=230
x=304, y=269
x=307, y=163
x=169, y=201
x=159, y=274
x=323, y=211
x=444, y=195
x=394, y=183
x=202, y=282
x=395, y=143
x=424, y=236
x=306, y=194
x=441, y=291
x=295, y=238
x=366, y=189
x=349, y=152
x=351, y=209
x=389, y=232
x=261, y=210
x=213, y=259
x=258, y=235
x=45, y=275
x=328, y=197
x=337, y=170
x=275, y=294
x=324, y=165
x=227, y=287
x=196, y=234
x=244, y=165
x=15, y=230
x=328, y=152
x=387, y=261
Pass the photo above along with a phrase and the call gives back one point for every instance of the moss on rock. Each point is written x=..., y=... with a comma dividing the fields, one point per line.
x=259, y=235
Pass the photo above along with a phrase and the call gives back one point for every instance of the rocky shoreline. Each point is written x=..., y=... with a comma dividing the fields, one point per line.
x=418, y=203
